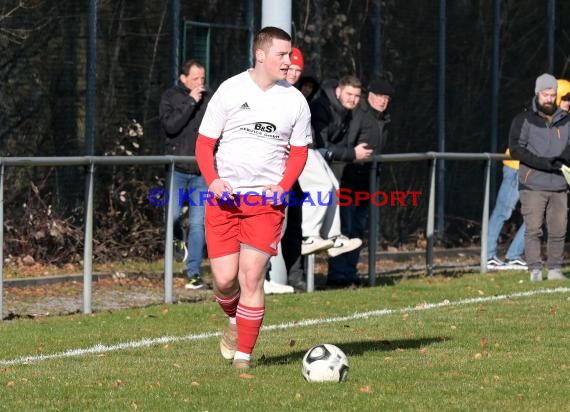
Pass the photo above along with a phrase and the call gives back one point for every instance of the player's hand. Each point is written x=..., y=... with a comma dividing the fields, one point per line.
x=218, y=187
x=273, y=194
x=362, y=151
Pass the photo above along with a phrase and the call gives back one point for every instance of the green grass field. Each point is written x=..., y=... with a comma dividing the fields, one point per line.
x=482, y=343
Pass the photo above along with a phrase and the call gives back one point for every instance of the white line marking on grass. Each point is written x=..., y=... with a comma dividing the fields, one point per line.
x=417, y=308
x=100, y=348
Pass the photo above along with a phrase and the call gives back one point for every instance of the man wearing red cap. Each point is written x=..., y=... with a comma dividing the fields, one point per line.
x=287, y=265
x=321, y=223
x=297, y=66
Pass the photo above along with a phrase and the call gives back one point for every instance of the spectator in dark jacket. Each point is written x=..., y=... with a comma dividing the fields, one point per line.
x=374, y=123
x=371, y=122
x=336, y=132
x=181, y=110
x=540, y=138
x=309, y=86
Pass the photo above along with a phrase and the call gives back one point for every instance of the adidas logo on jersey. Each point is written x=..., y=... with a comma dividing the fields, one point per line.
x=244, y=106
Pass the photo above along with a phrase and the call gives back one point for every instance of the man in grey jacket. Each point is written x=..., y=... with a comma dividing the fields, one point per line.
x=540, y=138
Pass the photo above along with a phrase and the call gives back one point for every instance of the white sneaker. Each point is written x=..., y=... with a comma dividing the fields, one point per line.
x=274, y=288
x=556, y=274
x=342, y=244
x=314, y=244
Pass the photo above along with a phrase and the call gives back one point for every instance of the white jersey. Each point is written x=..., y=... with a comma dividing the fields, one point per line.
x=255, y=129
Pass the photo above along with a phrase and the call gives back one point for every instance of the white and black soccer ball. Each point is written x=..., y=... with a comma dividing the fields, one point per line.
x=325, y=363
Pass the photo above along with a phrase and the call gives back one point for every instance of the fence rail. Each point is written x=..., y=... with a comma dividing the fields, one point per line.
x=91, y=161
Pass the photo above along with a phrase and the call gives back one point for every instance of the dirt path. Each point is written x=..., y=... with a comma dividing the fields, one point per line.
x=49, y=295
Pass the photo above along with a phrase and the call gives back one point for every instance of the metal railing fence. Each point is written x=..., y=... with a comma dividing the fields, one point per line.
x=91, y=161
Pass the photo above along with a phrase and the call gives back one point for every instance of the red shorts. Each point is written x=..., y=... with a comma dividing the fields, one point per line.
x=252, y=222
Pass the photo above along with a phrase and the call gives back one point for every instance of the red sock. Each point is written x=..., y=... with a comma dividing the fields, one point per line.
x=249, y=322
x=229, y=304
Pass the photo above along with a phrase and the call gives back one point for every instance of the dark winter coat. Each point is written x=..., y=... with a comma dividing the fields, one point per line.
x=180, y=118
x=374, y=132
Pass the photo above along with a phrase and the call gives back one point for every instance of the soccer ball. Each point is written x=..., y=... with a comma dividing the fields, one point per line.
x=325, y=363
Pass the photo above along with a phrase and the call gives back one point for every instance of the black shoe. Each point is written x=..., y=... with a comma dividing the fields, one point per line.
x=299, y=286
x=180, y=252
x=336, y=282
x=342, y=282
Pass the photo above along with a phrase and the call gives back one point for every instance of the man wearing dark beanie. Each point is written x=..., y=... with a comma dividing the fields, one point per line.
x=540, y=138
x=380, y=87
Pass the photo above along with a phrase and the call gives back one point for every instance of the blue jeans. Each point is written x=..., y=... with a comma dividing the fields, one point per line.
x=507, y=199
x=353, y=221
x=196, y=236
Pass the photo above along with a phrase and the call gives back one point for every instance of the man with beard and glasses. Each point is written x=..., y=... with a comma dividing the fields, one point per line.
x=540, y=138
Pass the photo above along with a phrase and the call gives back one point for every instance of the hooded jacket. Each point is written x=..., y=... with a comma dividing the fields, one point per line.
x=542, y=145
x=180, y=117
x=334, y=127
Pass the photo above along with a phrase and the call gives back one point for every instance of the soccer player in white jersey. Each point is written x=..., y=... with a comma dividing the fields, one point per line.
x=260, y=125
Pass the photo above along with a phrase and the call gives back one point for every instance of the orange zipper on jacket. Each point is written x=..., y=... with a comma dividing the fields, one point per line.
x=526, y=175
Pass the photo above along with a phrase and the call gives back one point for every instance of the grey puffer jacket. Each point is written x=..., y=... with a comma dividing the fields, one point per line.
x=542, y=145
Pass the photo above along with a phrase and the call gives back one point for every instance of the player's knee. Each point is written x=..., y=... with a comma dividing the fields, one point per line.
x=225, y=285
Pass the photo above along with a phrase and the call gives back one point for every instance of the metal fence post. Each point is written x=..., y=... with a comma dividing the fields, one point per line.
x=485, y=217
x=1, y=240
x=310, y=269
x=175, y=39
x=431, y=218
x=88, y=240
x=168, y=278
x=373, y=223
